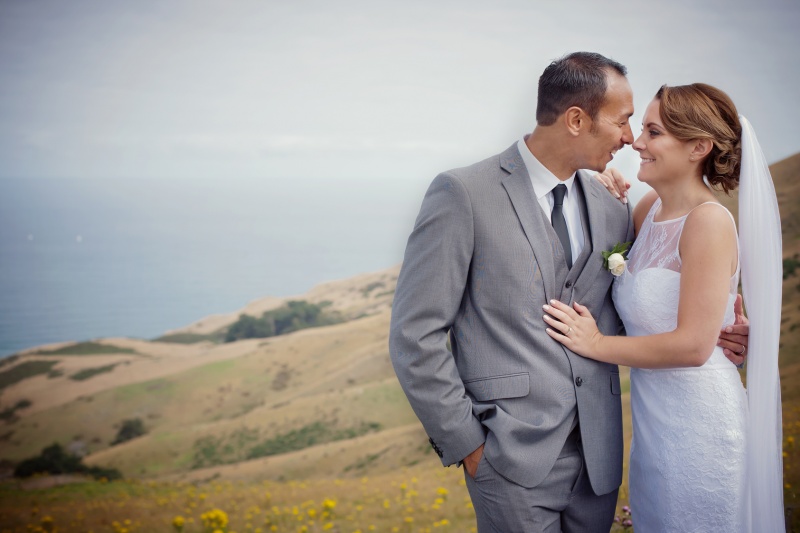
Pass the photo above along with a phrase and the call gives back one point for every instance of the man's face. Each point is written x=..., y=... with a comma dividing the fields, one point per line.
x=610, y=129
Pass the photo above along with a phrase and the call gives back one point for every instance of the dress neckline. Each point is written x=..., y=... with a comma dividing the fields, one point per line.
x=657, y=204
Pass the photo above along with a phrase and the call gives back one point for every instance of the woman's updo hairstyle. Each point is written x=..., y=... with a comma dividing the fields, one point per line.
x=700, y=111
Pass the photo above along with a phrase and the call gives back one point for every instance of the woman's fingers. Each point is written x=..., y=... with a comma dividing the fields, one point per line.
x=558, y=325
x=606, y=182
x=560, y=310
x=582, y=310
x=615, y=183
x=563, y=339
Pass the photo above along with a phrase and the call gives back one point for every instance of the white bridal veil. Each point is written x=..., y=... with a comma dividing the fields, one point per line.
x=762, y=279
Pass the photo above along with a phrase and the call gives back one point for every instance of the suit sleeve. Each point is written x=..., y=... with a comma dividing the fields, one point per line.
x=429, y=292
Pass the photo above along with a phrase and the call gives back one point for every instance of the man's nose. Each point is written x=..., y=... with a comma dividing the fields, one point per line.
x=627, y=135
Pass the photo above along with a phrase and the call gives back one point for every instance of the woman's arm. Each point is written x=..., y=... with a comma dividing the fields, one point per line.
x=708, y=254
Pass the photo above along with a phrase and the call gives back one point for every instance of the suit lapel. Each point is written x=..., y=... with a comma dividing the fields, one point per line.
x=597, y=224
x=580, y=261
x=520, y=190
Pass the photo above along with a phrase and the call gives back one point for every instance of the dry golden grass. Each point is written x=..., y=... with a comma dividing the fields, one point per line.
x=420, y=499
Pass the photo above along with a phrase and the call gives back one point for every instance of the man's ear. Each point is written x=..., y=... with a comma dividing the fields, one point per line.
x=700, y=149
x=575, y=120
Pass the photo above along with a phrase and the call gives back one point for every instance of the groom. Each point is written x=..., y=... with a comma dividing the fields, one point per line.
x=537, y=428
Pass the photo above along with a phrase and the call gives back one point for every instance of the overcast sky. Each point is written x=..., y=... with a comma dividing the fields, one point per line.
x=351, y=89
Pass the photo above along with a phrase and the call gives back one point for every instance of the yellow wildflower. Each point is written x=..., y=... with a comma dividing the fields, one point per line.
x=328, y=504
x=215, y=519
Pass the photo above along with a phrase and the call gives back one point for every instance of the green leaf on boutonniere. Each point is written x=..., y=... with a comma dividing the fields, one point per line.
x=619, y=248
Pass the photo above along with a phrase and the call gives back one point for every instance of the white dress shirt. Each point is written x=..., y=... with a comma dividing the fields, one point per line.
x=544, y=182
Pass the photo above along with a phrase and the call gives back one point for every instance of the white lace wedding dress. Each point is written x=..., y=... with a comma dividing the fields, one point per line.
x=687, y=465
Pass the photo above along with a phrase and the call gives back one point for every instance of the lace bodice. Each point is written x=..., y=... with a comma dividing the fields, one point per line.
x=651, y=281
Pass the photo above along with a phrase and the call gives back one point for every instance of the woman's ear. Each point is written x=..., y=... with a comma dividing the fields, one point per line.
x=700, y=149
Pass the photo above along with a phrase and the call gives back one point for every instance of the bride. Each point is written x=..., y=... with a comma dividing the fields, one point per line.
x=692, y=466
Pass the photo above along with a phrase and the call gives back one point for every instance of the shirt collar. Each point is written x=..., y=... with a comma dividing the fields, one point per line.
x=543, y=180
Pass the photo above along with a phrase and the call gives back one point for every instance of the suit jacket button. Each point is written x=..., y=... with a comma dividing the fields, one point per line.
x=579, y=381
x=569, y=284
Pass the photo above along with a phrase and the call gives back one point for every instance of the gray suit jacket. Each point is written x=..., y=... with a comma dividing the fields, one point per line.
x=480, y=263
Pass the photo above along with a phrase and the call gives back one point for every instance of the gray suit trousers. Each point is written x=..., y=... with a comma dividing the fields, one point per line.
x=564, y=501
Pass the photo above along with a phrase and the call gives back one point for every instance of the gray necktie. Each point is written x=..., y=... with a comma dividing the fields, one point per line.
x=560, y=223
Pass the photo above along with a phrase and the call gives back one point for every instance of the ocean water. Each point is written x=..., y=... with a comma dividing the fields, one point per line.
x=88, y=258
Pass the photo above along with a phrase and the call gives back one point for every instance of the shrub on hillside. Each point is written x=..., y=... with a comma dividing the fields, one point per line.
x=249, y=327
x=24, y=370
x=129, y=430
x=188, y=338
x=87, y=348
x=55, y=460
x=790, y=265
x=293, y=316
x=9, y=414
x=86, y=373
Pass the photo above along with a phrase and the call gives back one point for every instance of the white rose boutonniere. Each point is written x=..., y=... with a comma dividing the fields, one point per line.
x=614, y=260
x=616, y=264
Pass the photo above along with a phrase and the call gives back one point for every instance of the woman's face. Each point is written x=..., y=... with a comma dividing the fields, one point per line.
x=664, y=157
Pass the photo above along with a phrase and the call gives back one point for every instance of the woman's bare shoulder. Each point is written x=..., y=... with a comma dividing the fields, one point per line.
x=641, y=209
